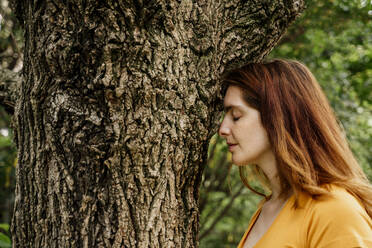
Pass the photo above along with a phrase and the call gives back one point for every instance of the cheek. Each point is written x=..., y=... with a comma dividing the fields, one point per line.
x=259, y=136
x=253, y=131
x=253, y=143
x=262, y=138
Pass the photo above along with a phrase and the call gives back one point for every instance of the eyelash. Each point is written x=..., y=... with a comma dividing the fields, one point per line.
x=234, y=118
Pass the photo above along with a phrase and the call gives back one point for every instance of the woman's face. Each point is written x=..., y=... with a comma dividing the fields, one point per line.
x=242, y=128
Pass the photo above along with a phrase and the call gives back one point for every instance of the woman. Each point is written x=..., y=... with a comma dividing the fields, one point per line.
x=278, y=121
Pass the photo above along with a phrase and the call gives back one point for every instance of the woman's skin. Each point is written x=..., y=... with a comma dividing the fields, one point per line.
x=246, y=137
x=249, y=144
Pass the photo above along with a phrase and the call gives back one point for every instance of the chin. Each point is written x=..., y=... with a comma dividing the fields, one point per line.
x=243, y=162
x=239, y=162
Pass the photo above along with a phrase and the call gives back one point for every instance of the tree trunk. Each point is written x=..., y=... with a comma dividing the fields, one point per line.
x=115, y=111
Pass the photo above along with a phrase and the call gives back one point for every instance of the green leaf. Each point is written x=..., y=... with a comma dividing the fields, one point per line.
x=4, y=241
x=4, y=226
x=5, y=245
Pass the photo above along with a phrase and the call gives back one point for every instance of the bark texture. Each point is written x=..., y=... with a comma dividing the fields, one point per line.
x=114, y=114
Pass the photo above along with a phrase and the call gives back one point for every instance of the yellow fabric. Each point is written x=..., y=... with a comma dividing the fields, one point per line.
x=336, y=221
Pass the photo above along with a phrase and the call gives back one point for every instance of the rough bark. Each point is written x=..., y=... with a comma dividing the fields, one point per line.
x=118, y=102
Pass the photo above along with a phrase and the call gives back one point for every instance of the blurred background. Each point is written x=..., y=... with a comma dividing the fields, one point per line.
x=333, y=38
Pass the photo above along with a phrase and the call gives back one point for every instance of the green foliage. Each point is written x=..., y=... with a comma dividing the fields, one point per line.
x=7, y=174
x=7, y=161
x=5, y=241
x=11, y=39
x=11, y=45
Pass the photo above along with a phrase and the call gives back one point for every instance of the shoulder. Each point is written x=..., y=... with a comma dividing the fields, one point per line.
x=336, y=219
x=338, y=203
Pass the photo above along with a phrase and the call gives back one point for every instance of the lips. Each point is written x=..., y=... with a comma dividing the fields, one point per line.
x=231, y=146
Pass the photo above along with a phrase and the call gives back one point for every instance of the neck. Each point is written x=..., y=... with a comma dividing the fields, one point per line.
x=269, y=166
x=276, y=189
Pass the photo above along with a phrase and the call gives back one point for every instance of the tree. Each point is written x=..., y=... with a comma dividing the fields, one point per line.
x=115, y=110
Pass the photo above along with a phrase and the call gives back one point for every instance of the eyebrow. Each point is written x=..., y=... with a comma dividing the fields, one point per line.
x=230, y=106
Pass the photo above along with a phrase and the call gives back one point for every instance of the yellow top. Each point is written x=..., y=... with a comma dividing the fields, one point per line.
x=328, y=222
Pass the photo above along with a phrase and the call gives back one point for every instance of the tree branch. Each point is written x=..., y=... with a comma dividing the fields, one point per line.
x=9, y=83
x=266, y=20
x=222, y=213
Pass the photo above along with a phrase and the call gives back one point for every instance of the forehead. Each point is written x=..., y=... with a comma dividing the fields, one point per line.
x=233, y=97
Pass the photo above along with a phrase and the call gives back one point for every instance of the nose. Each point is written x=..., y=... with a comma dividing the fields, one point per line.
x=224, y=130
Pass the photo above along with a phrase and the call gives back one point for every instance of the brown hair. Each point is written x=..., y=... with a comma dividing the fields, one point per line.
x=310, y=148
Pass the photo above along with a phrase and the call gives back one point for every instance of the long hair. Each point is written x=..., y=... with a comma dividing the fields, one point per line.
x=310, y=148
